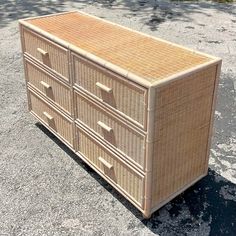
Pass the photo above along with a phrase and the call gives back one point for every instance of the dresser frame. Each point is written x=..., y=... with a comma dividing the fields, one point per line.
x=147, y=205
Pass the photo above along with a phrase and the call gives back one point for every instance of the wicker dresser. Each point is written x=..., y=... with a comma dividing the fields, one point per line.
x=137, y=109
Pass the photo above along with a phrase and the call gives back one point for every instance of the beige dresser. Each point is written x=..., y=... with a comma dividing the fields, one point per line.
x=137, y=109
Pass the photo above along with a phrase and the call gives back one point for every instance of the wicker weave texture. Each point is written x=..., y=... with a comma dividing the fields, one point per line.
x=125, y=139
x=182, y=120
x=61, y=125
x=127, y=179
x=146, y=57
x=56, y=58
x=57, y=92
x=125, y=97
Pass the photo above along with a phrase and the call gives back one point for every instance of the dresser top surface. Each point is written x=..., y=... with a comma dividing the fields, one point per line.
x=150, y=58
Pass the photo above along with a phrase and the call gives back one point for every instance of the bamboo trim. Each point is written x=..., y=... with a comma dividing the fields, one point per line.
x=116, y=69
x=218, y=69
x=149, y=153
x=71, y=81
x=76, y=142
x=36, y=29
x=29, y=107
x=185, y=73
x=174, y=195
x=110, y=66
x=73, y=107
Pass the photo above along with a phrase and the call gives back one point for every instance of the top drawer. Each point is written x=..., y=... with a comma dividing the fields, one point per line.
x=47, y=52
x=122, y=95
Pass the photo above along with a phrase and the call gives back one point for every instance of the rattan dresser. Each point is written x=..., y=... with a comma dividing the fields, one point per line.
x=137, y=109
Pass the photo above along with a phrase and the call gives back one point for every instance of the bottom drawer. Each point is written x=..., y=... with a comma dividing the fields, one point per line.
x=51, y=117
x=125, y=178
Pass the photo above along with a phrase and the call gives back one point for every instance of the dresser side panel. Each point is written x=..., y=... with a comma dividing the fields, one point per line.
x=182, y=124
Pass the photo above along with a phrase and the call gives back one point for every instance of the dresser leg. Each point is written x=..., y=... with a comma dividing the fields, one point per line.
x=147, y=216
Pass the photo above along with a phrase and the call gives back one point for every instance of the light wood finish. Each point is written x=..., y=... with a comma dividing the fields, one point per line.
x=137, y=109
x=48, y=85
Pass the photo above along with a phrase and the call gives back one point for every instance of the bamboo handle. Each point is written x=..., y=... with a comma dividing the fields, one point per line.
x=105, y=163
x=45, y=85
x=104, y=87
x=104, y=126
x=48, y=116
x=40, y=50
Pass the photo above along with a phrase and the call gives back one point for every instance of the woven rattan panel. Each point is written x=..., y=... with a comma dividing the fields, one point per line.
x=57, y=92
x=125, y=97
x=146, y=57
x=183, y=112
x=131, y=182
x=58, y=55
x=61, y=125
x=125, y=139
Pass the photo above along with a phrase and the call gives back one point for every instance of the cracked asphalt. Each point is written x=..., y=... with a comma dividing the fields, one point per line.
x=46, y=190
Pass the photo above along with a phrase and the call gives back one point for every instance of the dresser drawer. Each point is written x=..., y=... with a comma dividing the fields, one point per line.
x=122, y=95
x=122, y=137
x=48, y=53
x=126, y=178
x=52, y=118
x=48, y=85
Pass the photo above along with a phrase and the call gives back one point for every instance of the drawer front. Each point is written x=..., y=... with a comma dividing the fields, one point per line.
x=52, y=118
x=127, y=140
x=118, y=172
x=48, y=85
x=48, y=53
x=123, y=96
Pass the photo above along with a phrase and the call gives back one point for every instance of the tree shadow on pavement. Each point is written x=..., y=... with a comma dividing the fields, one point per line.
x=207, y=208
x=11, y=10
x=150, y=12
x=154, y=12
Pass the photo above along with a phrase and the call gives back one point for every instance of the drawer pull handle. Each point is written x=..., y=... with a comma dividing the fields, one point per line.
x=49, y=117
x=45, y=85
x=44, y=53
x=104, y=126
x=104, y=87
x=105, y=163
